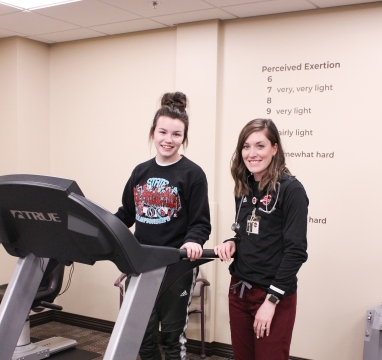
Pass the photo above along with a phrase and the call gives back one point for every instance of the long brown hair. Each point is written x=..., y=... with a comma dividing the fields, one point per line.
x=174, y=106
x=275, y=169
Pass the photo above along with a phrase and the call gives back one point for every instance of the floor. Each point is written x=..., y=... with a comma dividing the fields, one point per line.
x=90, y=340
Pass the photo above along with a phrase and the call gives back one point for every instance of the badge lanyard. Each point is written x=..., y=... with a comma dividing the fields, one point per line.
x=252, y=223
x=252, y=219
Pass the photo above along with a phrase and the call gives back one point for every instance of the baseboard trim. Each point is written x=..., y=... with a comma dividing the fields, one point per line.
x=72, y=319
x=211, y=349
x=41, y=318
x=193, y=346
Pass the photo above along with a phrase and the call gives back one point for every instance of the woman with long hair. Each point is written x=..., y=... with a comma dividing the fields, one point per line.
x=269, y=246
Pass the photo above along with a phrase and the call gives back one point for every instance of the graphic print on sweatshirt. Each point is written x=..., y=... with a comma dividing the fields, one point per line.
x=156, y=202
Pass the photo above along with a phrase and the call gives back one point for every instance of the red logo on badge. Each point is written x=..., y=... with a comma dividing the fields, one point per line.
x=254, y=200
x=266, y=199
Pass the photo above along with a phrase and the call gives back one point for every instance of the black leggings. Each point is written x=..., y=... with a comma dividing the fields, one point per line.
x=172, y=312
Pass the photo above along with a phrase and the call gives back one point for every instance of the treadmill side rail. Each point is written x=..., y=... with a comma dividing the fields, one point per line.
x=17, y=301
x=134, y=315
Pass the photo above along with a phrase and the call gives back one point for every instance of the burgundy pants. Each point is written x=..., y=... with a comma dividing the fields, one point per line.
x=242, y=313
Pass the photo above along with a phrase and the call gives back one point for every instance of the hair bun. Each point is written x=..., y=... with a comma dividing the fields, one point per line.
x=176, y=99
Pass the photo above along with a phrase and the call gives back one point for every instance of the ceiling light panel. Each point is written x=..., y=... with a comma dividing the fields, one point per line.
x=87, y=13
x=34, y=4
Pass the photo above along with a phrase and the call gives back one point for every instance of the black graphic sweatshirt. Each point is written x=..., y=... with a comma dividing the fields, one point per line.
x=168, y=204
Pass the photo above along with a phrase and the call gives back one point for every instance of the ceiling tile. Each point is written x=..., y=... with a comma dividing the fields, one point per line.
x=87, y=13
x=187, y=17
x=331, y=3
x=7, y=33
x=32, y=24
x=70, y=35
x=4, y=9
x=166, y=7
x=269, y=7
x=41, y=39
x=220, y=3
x=128, y=26
x=92, y=18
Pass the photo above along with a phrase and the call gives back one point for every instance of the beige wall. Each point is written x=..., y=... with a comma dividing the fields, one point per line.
x=24, y=114
x=102, y=97
x=102, y=104
x=343, y=253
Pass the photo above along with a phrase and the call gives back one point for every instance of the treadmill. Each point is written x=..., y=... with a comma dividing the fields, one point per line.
x=43, y=218
x=372, y=342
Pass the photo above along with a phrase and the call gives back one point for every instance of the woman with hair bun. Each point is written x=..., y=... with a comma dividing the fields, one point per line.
x=269, y=246
x=167, y=199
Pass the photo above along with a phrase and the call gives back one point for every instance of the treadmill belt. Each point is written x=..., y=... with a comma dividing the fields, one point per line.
x=71, y=354
x=74, y=354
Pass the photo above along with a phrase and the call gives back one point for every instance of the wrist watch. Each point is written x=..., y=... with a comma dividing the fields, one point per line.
x=273, y=299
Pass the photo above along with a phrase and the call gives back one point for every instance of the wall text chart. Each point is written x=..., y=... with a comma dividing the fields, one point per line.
x=295, y=98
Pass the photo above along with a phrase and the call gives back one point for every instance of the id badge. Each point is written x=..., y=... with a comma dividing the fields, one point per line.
x=253, y=225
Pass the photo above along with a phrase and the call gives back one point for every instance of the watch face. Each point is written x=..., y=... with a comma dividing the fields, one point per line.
x=273, y=299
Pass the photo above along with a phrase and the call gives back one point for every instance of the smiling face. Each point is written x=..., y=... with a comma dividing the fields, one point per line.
x=168, y=136
x=257, y=153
